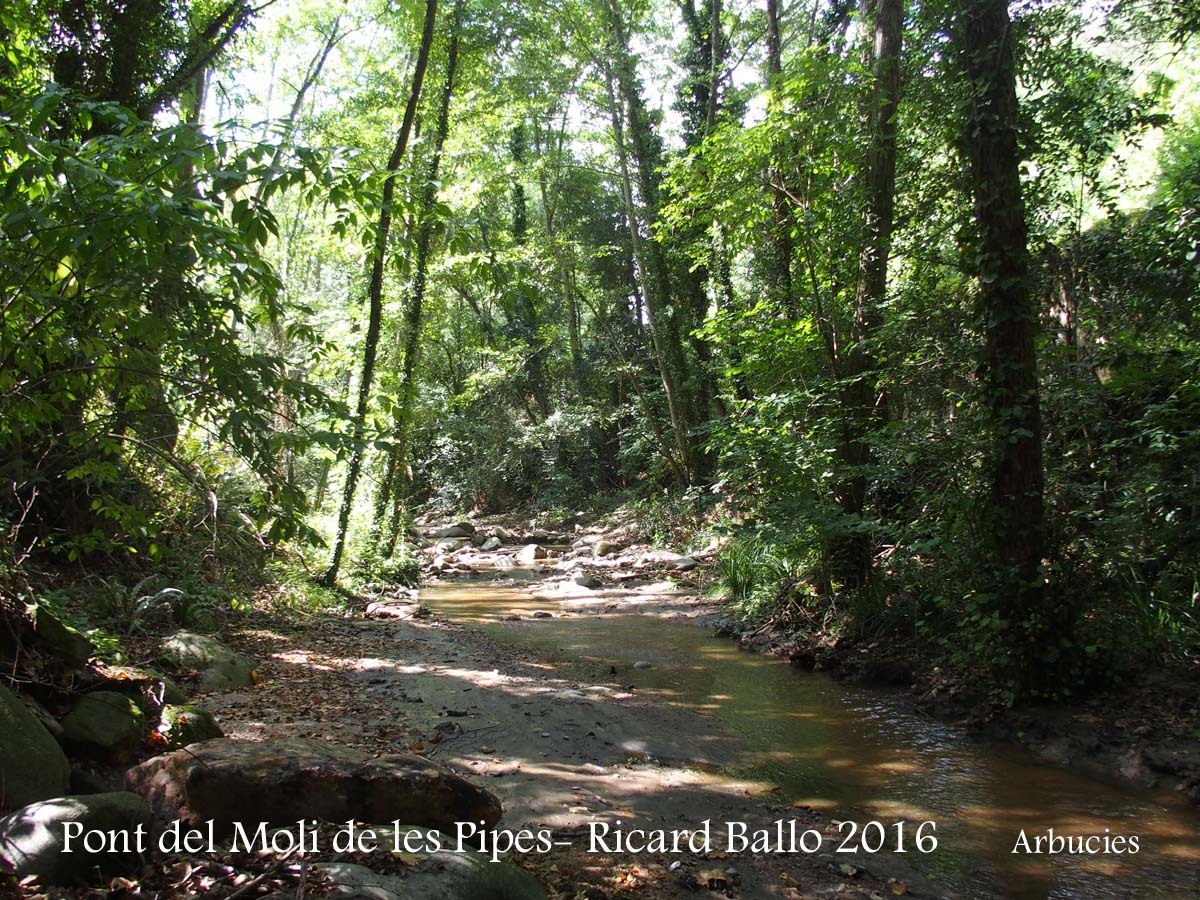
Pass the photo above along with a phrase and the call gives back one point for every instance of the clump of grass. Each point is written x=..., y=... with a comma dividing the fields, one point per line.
x=750, y=572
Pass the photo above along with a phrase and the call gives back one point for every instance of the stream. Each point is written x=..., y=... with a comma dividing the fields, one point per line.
x=860, y=754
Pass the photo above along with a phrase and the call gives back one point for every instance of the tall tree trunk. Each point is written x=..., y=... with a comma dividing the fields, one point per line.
x=780, y=238
x=402, y=427
x=311, y=74
x=665, y=320
x=1015, y=513
x=375, y=295
x=677, y=460
x=862, y=409
x=526, y=307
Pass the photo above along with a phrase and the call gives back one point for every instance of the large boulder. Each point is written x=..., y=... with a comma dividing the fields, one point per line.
x=33, y=839
x=220, y=668
x=183, y=725
x=283, y=781
x=65, y=642
x=32, y=765
x=106, y=724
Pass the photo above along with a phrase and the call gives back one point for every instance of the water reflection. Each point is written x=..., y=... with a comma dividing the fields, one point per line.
x=857, y=754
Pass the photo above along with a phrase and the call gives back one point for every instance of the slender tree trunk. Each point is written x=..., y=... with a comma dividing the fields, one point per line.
x=311, y=74
x=413, y=318
x=862, y=408
x=375, y=295
x=780, y=238
x=535, y=370
x=1015, y=513
x=665, y=324
x=641, y=255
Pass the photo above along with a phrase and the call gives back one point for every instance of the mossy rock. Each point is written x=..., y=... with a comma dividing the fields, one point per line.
x=186, y=724
x=67, y=643
x=33, y=766
x=220, y=668
x=106, y=724
x=32, y=840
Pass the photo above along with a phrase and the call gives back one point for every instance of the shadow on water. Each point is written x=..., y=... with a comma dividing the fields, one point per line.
x=859, y=754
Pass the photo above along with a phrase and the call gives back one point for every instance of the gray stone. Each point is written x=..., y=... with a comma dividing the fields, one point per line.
x=683, y=564
x=32, y=765
x=659, y=557
x=43, y=715
x=449, y=545
x=183, y=725
x=461, y=530
x=32, y=840
x=440, y=875
x=220, y=668
x=67, y=643
x=605, y=548
x=282, y=781
x=530, y=554
x=504, y=535
x=492, y=543
x=105, y=723
x=588, y=581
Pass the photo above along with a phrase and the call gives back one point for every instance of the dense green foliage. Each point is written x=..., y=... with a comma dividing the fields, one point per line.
x=605, y=248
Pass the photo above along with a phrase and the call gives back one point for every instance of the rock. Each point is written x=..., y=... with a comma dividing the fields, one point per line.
x=605, y=548
x=67, y=643
x=540, y=536
x=220, y=668
x=541, y=614
x=32, y=765
x=530, y=554
x=283, y=781
x=449, y=545
x=439, y=875
x=84, y=781
x=162, y=686
x=504, y=535
x=660, y=557
x=492, y=543
x=683, y=564
x=44, y=716
x=106, y=724
x=393, y=609
x=588, y=581
x=183, y=725
x=460, y=530
x=642, y=664
x=32, y=840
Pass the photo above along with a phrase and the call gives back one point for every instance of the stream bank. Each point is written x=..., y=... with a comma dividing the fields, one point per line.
x=569, y=599
x=1141, y=730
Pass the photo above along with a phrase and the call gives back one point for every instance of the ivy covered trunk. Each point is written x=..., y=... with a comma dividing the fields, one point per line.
x=1015, y=517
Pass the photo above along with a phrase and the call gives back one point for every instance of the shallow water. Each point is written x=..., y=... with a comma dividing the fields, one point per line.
x=858, y=754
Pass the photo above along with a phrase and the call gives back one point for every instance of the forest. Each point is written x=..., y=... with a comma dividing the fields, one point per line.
x=871, y=327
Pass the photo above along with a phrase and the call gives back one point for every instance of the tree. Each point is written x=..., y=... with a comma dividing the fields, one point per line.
x=1015, y=513
x=378, y=259
x=863, y=405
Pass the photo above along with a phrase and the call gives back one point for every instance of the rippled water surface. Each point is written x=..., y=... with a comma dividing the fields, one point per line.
x=855, y=753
